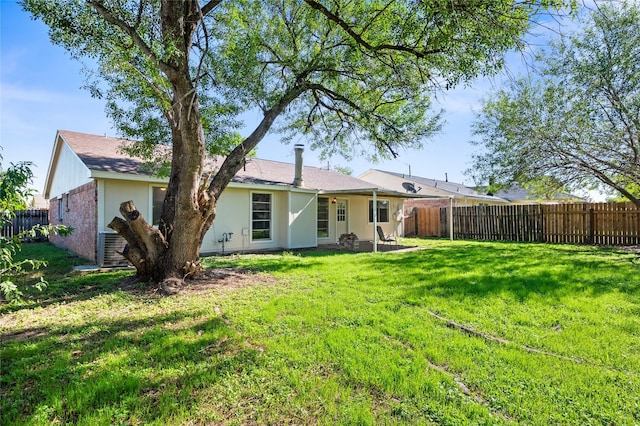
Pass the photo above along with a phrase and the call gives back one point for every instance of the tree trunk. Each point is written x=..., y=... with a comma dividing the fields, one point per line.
x=146, y=244
x=171, y=252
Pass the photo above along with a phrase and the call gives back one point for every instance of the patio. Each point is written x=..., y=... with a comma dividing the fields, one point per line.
x=365, y=246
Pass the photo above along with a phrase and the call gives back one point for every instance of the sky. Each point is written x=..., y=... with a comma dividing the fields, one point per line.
x=41, y=92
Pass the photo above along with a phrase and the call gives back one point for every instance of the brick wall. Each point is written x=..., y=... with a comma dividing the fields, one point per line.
x=79, y=211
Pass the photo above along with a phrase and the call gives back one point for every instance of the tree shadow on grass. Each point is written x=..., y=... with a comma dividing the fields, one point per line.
x=477, y=269
x=99, y=371
x=486, y=270
x=75, y=287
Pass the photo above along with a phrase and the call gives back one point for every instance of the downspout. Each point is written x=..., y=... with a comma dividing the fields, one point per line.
x=375, y=221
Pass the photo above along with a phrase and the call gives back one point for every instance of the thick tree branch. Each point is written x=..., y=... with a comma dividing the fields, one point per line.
x=333, y=95
x=333, y=17
x=204, y=10
x=235, y=159
x=129, y=30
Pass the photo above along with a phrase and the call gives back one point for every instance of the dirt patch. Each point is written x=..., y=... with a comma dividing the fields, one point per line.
x=632, y=249
x=226, y=279
x=222, y=279
x=30, y=334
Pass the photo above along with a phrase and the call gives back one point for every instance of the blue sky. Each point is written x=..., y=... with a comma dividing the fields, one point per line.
x=40, y=92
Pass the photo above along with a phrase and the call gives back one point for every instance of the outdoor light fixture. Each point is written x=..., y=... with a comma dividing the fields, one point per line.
x=334, y=200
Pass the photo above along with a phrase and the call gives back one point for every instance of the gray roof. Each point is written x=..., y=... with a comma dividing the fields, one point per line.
x=278, y=173
x=513, y=194
x=455, y=189
x=102, y=153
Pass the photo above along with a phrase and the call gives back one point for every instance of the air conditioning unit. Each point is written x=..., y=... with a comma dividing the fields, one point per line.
x=109, y=244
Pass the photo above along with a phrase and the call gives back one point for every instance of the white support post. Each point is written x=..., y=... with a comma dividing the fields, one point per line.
x=375, y=221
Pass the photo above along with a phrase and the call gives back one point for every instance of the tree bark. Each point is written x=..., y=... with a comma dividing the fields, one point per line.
x=172, y=251
x=145, y=244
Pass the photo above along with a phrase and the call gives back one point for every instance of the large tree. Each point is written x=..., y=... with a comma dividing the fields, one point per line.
x=577, y=122
x=356, y=77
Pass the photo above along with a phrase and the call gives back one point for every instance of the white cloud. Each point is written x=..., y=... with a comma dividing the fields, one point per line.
x=12, y=93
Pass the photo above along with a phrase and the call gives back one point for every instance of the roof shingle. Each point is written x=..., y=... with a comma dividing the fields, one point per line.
x=103, y=153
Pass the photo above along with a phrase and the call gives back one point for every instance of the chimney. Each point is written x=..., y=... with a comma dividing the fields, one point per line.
x=446, y=177
x=297, y=181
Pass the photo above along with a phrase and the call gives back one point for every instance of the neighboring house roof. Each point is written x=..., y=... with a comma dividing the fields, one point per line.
x=515, y=194
x=39, y=202
x=453, y=189
x=104, y=154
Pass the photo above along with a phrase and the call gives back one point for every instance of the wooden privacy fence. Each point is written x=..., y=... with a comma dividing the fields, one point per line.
x=25, y=220
x=580, y=223
x=423, y=222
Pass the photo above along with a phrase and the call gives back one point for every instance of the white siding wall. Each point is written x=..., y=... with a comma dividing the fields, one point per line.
x=280, y=220
x=70, y=173
x=293, y=216
x=302, y=220
x=233, y=214
x=118, y=191
x=359, y=217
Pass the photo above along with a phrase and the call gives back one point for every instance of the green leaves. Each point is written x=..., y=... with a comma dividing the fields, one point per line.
x=354, y=78
x=14, y=191
x=576, y=123
x=362, y=75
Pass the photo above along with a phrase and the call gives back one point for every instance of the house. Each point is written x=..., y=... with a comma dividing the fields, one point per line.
x=38, y=202
x=268, y=205
x=518, y=195
x=414, y=186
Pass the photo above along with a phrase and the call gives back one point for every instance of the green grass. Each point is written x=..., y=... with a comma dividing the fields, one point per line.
x=458, y=333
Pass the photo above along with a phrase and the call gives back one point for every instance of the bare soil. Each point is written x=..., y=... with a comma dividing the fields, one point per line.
x=210, y=279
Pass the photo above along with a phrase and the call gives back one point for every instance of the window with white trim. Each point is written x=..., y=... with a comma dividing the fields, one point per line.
x=157, y=199
x=323, y=217
x=382, y=211
x=261, y=207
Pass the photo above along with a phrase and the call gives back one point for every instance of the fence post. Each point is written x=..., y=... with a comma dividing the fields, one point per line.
x=592, y=225
x=443, y=222
x=451, y=219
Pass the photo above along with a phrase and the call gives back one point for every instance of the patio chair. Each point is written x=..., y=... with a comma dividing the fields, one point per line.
x=387, y=239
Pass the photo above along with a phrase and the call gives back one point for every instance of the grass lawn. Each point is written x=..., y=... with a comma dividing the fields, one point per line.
x=458, y=333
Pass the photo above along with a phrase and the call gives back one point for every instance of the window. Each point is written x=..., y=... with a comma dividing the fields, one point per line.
x=323, y=217
x=157, y=199
x=382, y=211
x=61, y=207
x=260, y=216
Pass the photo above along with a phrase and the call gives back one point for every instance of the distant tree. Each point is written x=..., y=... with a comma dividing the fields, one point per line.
x=14, y=194
x=576, y=123
x=344, y=170
x=355, y=77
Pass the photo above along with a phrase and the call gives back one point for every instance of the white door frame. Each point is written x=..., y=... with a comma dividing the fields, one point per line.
x=346, y=216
